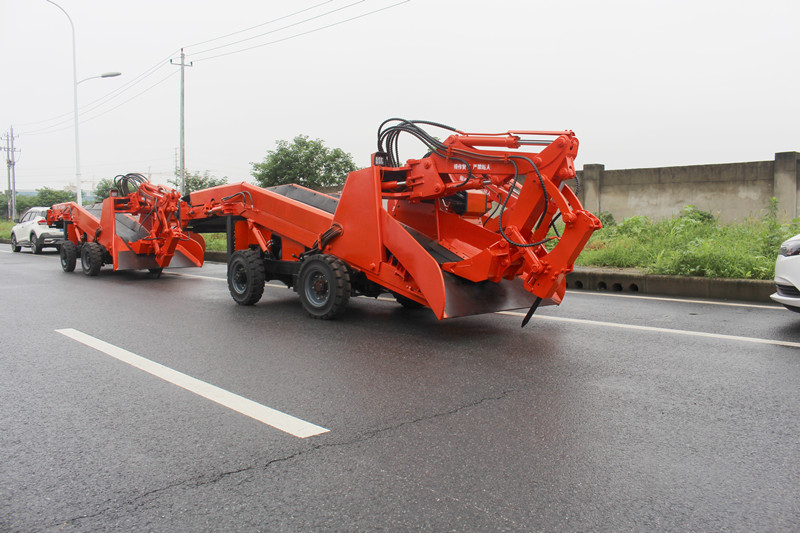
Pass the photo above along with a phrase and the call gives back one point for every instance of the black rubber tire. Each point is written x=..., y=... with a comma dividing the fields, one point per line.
x=92, y=258
x=408, y=303
x=155, y=273
x=246, y=277
x=792, y=308
x=69, y=256
x=324, y=286
x=14, y=246
x=36, y=246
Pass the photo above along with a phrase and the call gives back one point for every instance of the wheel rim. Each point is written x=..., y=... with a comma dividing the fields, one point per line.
x=85, y=263
x=239, y=278
x=34, y=242
x=317, y=289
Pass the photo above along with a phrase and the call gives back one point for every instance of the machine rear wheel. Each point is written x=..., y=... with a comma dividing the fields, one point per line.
x=91, y=258
x=324, y=286
x=246, y=277
x=69, y=256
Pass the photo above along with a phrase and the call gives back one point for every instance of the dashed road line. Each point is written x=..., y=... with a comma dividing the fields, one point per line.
x=755, y=340
x=579, y=292
x=653, y=329
x=680, y=300
x=262, y=413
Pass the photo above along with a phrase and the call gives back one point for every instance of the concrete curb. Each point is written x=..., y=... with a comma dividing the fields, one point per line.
x=637, y=282
x=217, y=257
x=632, y=281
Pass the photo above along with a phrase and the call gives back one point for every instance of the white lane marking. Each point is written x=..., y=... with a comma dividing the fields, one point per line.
x=267, y=415
x=181, y=274
x=681, y=300
x=629, y=326
x=574, y=291
x=653, y=329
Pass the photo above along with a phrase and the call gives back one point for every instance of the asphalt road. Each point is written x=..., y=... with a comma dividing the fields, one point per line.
x=608, y=413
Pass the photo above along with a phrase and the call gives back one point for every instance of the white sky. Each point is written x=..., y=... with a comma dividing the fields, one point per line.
x=642, y=83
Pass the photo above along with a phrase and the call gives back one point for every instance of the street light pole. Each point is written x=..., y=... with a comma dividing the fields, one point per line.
x=75, y=83
x=75, y=103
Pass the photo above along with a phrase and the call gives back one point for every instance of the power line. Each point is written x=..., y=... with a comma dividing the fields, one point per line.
x=279, y=29
x=152, y=70
x=53, y=128
x=259, y=25
x=137, y=95
x=107, y=97
x=303, y=33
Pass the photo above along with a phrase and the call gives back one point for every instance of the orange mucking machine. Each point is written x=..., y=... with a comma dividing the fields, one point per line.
x=481, y=223
x=137, y=227
x=472, y=227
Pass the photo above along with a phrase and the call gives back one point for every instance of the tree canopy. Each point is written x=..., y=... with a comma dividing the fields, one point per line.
x=196, y=181
x=44, y=197
x=305, y=162
x=47, y=196
x=101, y=190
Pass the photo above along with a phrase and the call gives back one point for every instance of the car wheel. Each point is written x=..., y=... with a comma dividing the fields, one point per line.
x=36, y=246
x=69, y=256
x=14, y=246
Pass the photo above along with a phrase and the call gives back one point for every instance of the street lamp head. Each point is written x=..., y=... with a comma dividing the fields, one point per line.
x=110, y=74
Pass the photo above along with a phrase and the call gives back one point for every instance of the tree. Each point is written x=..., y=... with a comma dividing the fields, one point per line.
x=46, y=197
x=305, y=162
x=195, y=182
x=103, y=189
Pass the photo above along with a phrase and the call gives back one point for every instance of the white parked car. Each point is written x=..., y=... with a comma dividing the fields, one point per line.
x=32, y=231
x=787, y=275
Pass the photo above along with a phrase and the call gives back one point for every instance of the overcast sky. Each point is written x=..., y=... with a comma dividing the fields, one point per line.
x=642, y=83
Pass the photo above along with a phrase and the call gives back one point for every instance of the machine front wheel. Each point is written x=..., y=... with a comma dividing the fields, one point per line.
x=324, y=286
x=69, y=256
x=246, y=277
x=91, y=258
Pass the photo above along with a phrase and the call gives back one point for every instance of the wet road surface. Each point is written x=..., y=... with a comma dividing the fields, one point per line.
x=607, y=413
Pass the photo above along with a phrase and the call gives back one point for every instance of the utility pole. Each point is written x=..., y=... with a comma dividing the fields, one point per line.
x=12, y=176
x=183, y=65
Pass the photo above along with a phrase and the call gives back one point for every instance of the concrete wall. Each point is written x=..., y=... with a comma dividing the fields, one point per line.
x=734, y=191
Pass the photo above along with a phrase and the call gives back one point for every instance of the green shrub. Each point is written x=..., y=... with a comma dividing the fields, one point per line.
x=690, y=212
x=607, y=219
x=693, y=243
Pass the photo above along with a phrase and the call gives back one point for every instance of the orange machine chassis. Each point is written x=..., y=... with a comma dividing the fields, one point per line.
x=469, y=228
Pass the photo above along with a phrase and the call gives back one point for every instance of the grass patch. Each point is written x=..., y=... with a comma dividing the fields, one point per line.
x=5, y=229
x=694, y=243
x=216, y=242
